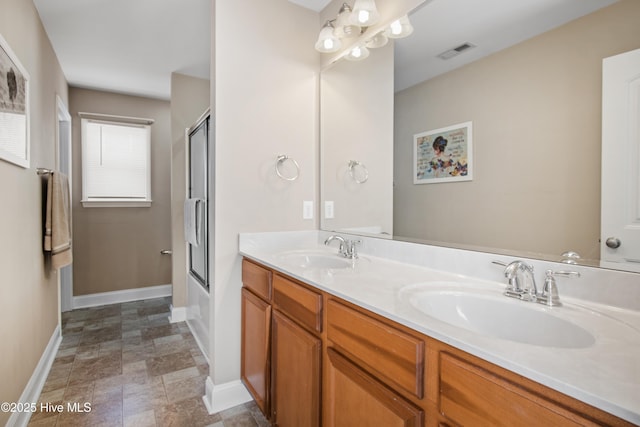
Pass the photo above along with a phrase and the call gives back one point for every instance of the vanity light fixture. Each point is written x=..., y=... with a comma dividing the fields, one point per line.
x=353, y=22
x=327, y=40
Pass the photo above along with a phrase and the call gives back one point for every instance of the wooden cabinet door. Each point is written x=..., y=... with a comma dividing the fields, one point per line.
x=296, y=361
x=256, y=322
x=354, y=398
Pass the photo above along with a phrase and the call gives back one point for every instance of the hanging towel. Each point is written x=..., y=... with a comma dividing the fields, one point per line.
x=57, y=234
x=193, y=220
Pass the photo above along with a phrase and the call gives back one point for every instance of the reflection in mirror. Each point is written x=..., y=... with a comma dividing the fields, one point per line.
x=536, y=113
x=356, y=101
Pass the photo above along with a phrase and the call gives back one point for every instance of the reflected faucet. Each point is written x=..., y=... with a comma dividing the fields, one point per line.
x=347, y=248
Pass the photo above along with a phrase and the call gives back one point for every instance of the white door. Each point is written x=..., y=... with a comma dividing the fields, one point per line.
x=64, y=165
x=620, y=228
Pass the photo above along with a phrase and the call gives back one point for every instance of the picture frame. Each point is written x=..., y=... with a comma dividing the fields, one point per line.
x=14, y=108
x=443, y=155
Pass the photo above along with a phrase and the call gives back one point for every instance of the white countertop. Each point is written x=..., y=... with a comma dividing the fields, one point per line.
x=605, y=374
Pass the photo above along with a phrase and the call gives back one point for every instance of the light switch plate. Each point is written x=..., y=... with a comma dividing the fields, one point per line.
x=328, y=209
x=307, y=209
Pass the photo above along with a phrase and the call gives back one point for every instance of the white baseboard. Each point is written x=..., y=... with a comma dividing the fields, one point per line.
x=33, y=389
x=115, y=297
x=224, y=396
x=178, y=314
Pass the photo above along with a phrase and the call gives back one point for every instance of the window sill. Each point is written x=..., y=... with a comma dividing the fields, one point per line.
x=116, y=203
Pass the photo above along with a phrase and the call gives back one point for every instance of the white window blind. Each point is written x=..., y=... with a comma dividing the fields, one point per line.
x=116, y=168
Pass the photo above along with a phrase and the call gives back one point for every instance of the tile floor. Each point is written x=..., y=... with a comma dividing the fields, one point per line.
x=132, y=368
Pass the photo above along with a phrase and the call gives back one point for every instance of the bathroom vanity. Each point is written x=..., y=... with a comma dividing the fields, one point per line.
x=330, y=341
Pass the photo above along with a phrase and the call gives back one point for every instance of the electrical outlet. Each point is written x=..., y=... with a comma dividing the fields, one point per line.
x=307, y=209
x=328, y=209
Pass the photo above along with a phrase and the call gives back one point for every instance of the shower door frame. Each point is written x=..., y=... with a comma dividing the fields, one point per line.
x=203, y=121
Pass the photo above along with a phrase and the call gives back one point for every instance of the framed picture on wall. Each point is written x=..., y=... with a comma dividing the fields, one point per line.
x=443, y=155
x=14, y=108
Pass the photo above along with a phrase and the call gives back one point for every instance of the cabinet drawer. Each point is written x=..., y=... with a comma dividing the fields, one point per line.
x=470, y=395
x=388, y=353
x=256, y=278
x=300, y=303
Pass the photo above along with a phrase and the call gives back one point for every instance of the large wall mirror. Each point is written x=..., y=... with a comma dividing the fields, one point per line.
x=530, y=83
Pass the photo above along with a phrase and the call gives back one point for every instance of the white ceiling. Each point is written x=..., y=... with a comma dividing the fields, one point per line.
x=133, y=47
x=316, y=5
x=129, y=46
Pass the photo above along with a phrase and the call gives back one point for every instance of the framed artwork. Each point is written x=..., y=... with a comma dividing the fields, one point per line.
x=443, y=155
x=14, y=108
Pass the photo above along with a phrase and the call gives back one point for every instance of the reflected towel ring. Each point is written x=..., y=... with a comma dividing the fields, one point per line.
x=352, y=171
x=283, y=158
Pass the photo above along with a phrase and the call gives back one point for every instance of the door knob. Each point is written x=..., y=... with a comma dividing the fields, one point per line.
x=613, y=242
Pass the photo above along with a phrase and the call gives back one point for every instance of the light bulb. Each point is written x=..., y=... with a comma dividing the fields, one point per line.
x=365, y=13
x=363, y=16
x=376, y=41
x=396, y=27
x=328, y=44
x=357, y=53
x=327, y=41
x=400, y=28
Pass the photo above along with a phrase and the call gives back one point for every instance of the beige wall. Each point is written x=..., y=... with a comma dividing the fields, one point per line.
x=119, y=248
x=536, y=112
x=189, y=99
x=265, y=85
x=28, y=291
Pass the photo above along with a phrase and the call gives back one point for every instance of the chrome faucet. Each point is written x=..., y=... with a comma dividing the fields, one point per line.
x=347, y=248
x=342, y=249
x=524, y=273
x=522, y=283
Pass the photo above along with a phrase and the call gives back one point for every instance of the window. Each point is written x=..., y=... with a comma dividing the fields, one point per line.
x=116, y=161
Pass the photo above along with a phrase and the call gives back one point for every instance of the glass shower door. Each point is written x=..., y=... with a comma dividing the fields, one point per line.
x=198, y=178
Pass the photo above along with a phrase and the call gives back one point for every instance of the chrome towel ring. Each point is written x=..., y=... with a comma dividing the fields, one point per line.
x=364, y=174
x=283, y=158
x=43, y=171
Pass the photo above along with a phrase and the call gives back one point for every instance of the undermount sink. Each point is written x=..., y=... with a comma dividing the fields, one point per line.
x=501, y=317
x=322, y=260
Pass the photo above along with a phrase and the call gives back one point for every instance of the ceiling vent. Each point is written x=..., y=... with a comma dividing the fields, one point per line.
x=456, y=50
